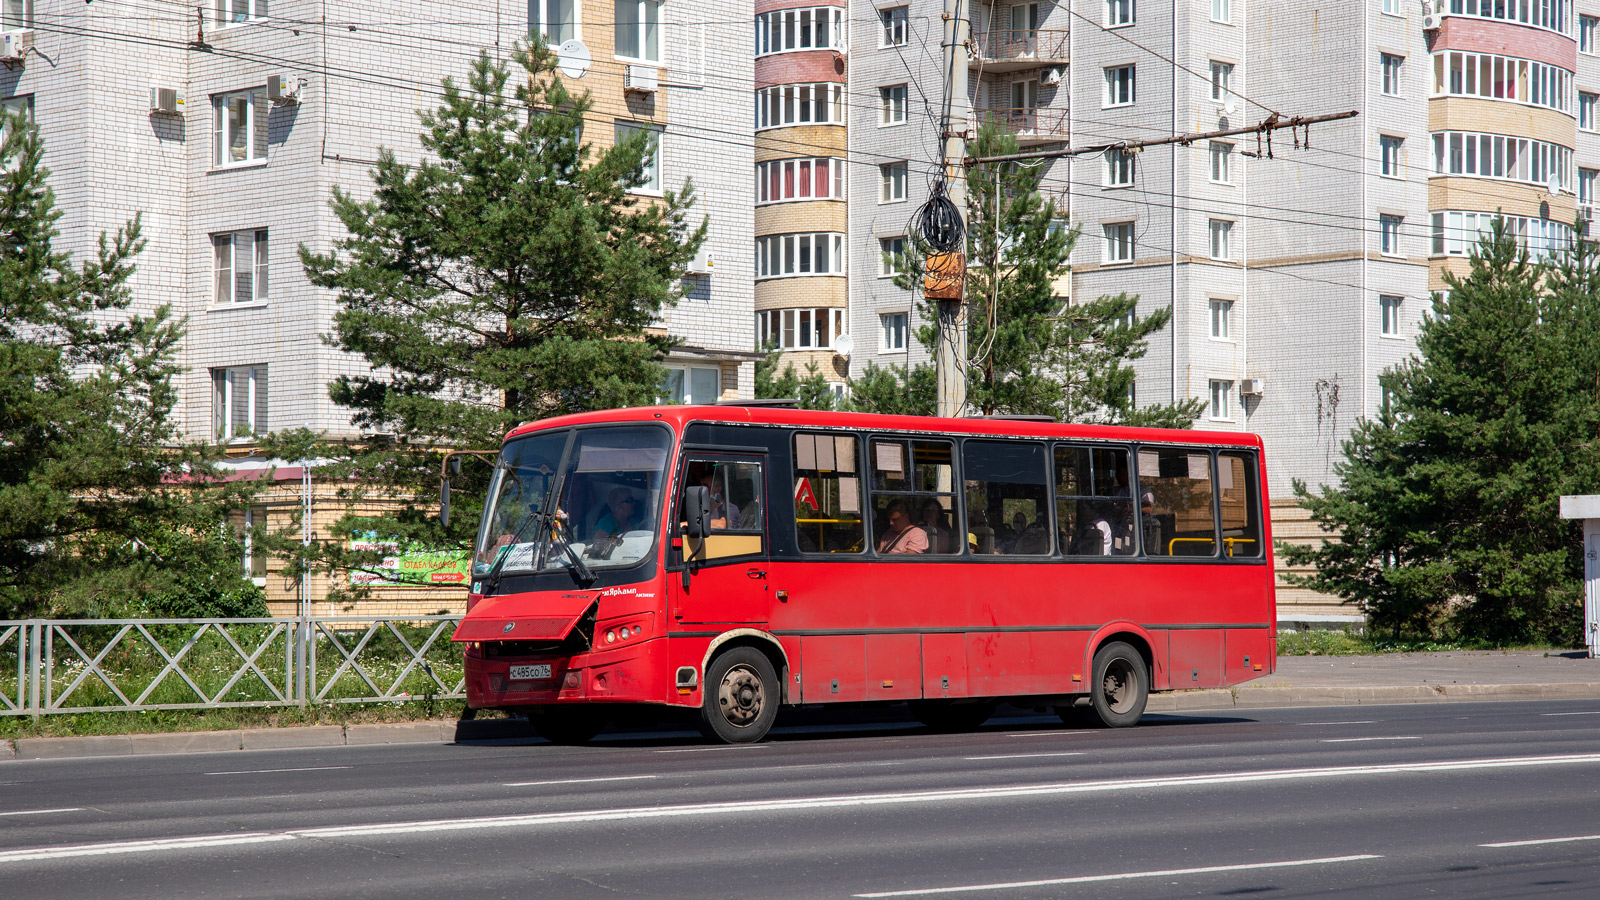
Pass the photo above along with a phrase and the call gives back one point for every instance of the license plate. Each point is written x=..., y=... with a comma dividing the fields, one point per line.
x=530, y=673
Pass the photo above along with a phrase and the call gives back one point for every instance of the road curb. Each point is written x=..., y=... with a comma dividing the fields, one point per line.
x=445, y=732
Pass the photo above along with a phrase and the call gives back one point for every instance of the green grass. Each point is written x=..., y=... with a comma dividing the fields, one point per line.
x=1322, y=643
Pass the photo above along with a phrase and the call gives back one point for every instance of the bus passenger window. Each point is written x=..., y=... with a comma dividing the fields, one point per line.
x=1240, y=501
x=1178, y=521
x=735, y=489
x=913, y=498
x=1008, y=506
x=1094, y=502
x=827, y=494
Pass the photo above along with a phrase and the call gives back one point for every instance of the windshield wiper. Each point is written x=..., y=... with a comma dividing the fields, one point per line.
x=492, y=580
x=547, y=537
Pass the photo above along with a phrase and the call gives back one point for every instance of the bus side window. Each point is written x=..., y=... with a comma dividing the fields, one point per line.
x=1094, y=501
x=1007, y=497
x=827, y=494
x=919, y=478
x=1240, y=500
x=1175, y=488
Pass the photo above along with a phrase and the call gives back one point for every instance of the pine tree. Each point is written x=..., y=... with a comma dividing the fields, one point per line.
x=1445, y=520
x=1029, y=351
x=102, y=510
x=510, y=275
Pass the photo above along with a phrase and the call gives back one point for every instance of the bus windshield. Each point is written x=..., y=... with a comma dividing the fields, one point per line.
x=607, y=513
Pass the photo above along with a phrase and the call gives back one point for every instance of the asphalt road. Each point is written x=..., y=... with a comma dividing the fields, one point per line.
x=1453, y=800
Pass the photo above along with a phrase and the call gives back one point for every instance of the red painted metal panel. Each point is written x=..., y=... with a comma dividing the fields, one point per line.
x=835, y=667
x=944, y=665
x=894, y=666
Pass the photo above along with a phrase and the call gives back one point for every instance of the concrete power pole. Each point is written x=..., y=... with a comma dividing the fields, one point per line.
x=946, y=280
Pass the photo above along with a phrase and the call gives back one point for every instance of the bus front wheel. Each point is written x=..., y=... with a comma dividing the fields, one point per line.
x=740, y=699
x=1120, y=685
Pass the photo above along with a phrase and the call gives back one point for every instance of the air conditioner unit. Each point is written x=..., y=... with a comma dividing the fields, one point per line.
x=1051, y=76
x=1432, y=21
x=1586, y=215
x=1253, y=387
x=641, y=79
x=281, y=89
x=703, y=262
x=14, y=45
x=166, y=101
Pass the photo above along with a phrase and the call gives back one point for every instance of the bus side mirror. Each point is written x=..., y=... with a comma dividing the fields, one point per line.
x=444, y=501
x=696, y=510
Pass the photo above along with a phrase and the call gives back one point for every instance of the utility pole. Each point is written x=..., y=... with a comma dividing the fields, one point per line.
x=945, y=282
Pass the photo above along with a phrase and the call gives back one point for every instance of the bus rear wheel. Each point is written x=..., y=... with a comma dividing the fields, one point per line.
x=569, y=725
x=740, y=698
x=1120, y=685
x=947, y=715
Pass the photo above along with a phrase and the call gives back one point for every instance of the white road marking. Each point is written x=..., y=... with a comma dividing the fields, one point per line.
x=1360, y=740
x=580, y=780
x=723, y=747
x=1560, y=840
x=215, y=840
x=1589, y=712
x=268, y=771
x=41, y=812
x=1362, y=722
x=1121, y=876
x=1027, y=755
x=1028, y=734
x=847, y=801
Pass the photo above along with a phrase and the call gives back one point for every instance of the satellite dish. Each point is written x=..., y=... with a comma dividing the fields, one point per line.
x=843, y=344
x=573, y=58
x=1228, y=105
x=1554, y=186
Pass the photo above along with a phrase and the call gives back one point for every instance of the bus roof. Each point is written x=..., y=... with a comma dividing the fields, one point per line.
x=680, y=416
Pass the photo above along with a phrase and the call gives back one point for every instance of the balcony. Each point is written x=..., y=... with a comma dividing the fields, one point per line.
x=1032, y=125
x=1014, y=51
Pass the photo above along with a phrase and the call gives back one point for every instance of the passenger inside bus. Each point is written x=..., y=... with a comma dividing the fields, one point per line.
x=620, y=517
x=932, y=526
x=900, y=537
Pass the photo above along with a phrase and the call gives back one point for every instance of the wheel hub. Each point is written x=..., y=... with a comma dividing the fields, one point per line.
x=740, y=696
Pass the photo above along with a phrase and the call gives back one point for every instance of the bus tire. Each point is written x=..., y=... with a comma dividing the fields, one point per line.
x=569, y=725
x=1120, y=685
x=947, y=715
x=739, y=702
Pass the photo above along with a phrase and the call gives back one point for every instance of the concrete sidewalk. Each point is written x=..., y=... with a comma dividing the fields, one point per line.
x=1448, y=677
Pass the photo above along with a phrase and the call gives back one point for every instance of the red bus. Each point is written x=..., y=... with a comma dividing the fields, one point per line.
x=735, y=559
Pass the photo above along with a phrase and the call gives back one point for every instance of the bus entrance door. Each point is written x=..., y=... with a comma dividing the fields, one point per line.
x=727, y=567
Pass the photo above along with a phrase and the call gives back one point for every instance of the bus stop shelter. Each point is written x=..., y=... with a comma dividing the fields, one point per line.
x=1587, y=508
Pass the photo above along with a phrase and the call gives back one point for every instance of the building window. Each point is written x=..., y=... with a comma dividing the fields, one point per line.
x=893, y=180
x=239, y=261
x=799, y=329
x=1389, y=316
x=1586, y=33
x=1497, y=156
x=892, y=251
x=651, y=183
x=1391, y=73
x=1502, y=78
x=1389, y=148
x=238, y=402
x=1221, y=234
x=18, y=109
x=557, y=20
x=1025, y=96
x=16, y=15
x=639, y=30
x=1119, y=12
x=892, y=104
x=821, y=28
x=799, y=179
x=894, y=330
x=1119, y=86
x=1389, y=235
x=1556, y=15
x=1586, y=185
x=1119, y=168
x=1221, y=319
x=229, y=12
x=1221, y=162
x=240, y=127
x=894, y=26
x=255, y=552
x=1392, y=7
x=693, y=385
x=800, y=104
x=1455, y=233
x=1586, y=104
x=782, y=255
x=1118, y=242
x=1221, y=394
x=1222, y=11
x=1221, y=78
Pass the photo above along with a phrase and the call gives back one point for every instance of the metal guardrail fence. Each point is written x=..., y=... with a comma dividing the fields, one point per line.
x=96, y=665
